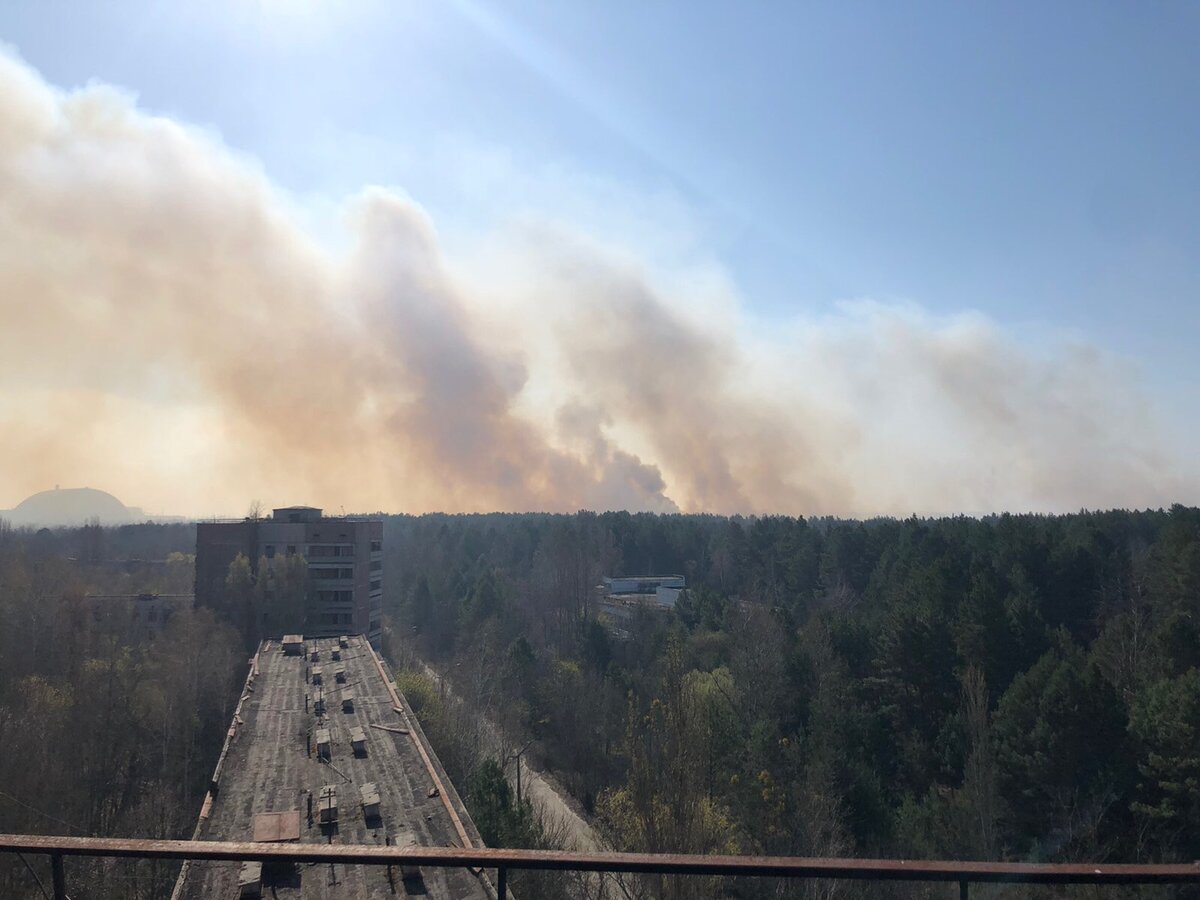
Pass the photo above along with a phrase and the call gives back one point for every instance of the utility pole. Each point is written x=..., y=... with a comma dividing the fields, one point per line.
x=517, y=756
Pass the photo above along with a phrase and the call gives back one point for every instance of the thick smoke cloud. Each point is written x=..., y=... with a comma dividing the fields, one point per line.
x=172, y=335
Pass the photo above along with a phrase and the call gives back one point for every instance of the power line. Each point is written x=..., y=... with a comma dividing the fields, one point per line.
x=41, y=887
x=41, y=813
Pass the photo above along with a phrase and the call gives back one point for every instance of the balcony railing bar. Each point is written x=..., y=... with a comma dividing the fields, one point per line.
x=502, y=860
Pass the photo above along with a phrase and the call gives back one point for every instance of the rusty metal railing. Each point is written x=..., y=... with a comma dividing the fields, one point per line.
x=503, y=860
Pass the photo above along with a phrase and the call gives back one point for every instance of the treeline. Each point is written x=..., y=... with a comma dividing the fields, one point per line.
x=1016, y=687
x=109, y=724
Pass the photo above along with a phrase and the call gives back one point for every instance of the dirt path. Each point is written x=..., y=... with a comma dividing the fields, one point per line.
x=559, y=805
x=559, y=808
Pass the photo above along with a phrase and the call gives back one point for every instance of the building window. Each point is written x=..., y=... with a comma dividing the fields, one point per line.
x=376, y=566
x=376, y=546
x=269, y=551
x=326, y=574
x=330, y=550
x=377, y=584
x=291, y=549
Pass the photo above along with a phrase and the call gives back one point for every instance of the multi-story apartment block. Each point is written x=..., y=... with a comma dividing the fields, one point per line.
x=344, y=557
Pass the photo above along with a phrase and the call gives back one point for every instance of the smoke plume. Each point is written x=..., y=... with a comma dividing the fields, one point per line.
x=171, y=334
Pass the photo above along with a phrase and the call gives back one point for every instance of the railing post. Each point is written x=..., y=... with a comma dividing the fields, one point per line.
x=60, y=879
x=963, y=890
x=502, y=883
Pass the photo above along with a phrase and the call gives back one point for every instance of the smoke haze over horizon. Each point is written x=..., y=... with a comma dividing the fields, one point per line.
x=175, y=334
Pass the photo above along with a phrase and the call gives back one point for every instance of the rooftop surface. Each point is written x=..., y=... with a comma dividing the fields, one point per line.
x=268, y=769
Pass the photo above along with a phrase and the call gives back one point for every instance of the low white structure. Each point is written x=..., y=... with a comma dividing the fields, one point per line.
x=370, y=800
x=358, y=740
x=405, y=838
x=642, y=584
x=250, y=880
x=652, y=590
x=328, y=804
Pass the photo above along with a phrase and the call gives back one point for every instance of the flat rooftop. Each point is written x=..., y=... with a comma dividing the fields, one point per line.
x=271, y=765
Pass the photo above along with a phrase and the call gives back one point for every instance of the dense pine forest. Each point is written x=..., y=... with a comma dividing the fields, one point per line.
x=1013, y=687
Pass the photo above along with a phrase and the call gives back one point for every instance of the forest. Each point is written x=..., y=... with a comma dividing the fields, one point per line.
x=109, y=724
x=1006, y=688
x=1010, y=687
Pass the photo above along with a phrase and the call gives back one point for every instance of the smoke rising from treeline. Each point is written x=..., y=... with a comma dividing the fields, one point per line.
x=173, y=335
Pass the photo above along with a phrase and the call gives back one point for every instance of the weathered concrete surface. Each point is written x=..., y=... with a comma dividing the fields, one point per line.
x=268, y=769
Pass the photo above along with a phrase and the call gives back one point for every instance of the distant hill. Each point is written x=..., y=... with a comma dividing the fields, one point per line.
x=74, y=506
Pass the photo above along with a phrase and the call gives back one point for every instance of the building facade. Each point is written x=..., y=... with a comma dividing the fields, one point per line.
x=142, y=616
x=662, y=590
x=344, y=559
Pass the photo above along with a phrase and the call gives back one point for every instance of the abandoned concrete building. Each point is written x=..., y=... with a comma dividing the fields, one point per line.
x=344, y=557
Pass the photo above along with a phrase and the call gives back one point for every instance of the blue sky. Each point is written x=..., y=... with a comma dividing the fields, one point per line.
x=1036, y=162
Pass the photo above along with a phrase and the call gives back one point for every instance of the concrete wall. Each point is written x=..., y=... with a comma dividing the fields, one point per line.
x=218, y=544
